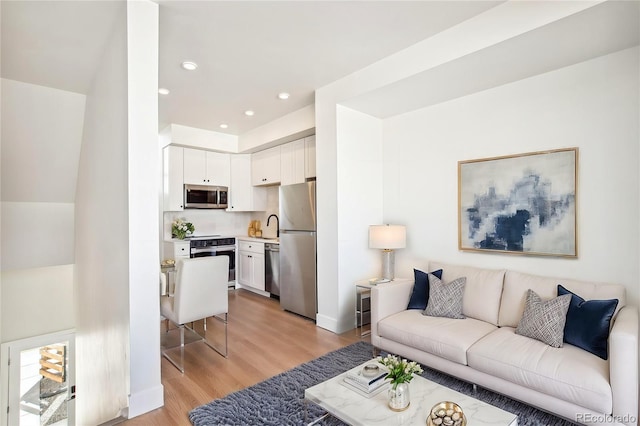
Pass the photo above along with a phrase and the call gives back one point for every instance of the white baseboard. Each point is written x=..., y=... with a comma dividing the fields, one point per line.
x=145, y=401
x=334, y=325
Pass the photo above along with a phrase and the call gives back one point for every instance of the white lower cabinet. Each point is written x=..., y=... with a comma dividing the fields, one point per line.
x=251, y=264
x=177, y=249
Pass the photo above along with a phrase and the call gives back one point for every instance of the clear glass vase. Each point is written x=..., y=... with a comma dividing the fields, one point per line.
x=399, y=396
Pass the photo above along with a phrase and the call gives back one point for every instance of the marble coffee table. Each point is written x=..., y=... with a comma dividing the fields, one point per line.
x=355, y=409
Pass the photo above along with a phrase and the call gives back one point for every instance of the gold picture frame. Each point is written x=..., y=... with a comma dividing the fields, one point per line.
x=520, y=204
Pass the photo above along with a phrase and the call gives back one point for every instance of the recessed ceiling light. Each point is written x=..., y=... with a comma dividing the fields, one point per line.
x=163, y=91
x=283, y=95
x=224, y=126
x=189, y=66
x=249, y=112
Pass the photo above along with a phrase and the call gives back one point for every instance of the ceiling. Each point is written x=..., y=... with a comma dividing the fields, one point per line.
x=247, y=52
x=599, y=30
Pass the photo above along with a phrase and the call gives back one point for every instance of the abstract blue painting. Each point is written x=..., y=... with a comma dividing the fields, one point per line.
x=523, y=203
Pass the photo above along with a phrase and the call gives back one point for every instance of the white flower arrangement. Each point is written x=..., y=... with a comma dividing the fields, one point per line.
x=400, y=370
x=181, y=229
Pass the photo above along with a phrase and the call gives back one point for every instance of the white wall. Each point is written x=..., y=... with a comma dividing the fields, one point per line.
x=41, y=133
x=292, y=126
x=198, y=138
x=41, y=136
x=145, y=391
x=506, y=22
x=36, y=301
x=359, y=204
x=102, y=241
x=592, y=105
x=118, y=353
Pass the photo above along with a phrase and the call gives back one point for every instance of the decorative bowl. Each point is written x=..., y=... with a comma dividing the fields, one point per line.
x=446, y=413
x=370, y=370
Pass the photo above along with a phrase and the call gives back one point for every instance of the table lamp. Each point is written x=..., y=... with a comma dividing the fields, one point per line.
x=387, y=238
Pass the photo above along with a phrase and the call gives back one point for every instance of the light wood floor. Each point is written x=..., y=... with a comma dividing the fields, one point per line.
x=263, y=341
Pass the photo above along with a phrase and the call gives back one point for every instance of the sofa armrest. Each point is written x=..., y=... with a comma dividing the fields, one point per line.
x=388, y=299
x=623, y=365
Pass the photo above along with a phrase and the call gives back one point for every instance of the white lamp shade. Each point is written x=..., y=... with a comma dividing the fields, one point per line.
x=387, y=236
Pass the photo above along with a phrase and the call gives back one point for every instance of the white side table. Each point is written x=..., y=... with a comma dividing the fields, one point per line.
x=363, y=305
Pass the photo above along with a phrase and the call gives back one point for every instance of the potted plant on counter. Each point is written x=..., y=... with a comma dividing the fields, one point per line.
x=181, y=229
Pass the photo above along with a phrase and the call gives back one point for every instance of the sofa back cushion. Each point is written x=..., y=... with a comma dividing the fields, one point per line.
x=482, y=291
x=516, y=285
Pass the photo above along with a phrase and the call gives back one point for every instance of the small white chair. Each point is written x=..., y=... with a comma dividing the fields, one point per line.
x=201, y=291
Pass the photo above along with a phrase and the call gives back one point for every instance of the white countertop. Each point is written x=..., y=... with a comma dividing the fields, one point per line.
x=259, y=240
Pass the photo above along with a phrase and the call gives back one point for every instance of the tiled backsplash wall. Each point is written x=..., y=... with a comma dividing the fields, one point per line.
x=213, y=221
x=273, y=207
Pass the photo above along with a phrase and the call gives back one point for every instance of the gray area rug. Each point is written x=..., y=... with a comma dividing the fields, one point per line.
x=279, y=400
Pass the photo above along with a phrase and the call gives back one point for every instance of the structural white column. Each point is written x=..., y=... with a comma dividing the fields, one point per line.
x=146, y=391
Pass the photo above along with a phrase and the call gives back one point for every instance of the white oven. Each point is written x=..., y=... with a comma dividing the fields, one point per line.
x=216, y=246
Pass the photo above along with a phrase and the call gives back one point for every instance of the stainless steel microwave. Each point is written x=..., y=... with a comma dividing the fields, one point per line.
x=205, y=197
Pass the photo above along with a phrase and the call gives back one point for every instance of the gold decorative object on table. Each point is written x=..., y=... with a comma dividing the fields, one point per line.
x=446, y=413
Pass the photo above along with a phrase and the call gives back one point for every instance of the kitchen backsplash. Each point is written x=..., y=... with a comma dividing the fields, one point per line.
x=211, y=221
x=273, y=207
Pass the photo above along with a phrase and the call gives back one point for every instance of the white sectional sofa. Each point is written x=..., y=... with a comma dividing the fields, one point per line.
x=484, y=349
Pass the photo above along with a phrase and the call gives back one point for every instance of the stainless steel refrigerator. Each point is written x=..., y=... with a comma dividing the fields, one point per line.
x=298, y=249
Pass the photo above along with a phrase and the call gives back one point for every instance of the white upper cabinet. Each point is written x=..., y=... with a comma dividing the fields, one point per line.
x=172, y=175
x=206, y=167
x=292, y=162
x=218, y=168
x=243, y=196
x=265, y=167
x=310, y=156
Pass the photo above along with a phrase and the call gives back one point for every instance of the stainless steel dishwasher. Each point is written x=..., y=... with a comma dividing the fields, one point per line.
x=272, y=269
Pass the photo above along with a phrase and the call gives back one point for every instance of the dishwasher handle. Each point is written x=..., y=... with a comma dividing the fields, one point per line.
x=271, y=247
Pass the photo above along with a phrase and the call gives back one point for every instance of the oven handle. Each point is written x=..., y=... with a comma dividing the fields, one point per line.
x=203, y=250
x=213, y=249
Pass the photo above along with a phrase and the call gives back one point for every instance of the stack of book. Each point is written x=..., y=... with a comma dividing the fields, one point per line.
x=363, y=383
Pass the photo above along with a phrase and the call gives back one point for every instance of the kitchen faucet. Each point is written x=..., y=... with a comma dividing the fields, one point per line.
x=277, y=223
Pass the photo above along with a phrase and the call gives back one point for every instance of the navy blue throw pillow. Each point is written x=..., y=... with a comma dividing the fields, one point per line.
x=588, y=322
x=420, y=294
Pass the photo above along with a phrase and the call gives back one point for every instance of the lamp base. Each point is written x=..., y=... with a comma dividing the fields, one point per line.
x=388, y=261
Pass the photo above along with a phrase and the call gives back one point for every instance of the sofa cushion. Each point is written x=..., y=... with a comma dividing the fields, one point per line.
x=544, y=320
x=445, y=299
x=588, y=323
x=420, y=292
x=445, y=337
x=481, y=293
x=516, y=285
x=567, y=373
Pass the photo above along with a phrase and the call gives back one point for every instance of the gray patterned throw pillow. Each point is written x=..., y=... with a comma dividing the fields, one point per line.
x=544, y=320
x=445, y=300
